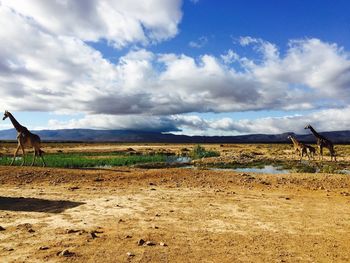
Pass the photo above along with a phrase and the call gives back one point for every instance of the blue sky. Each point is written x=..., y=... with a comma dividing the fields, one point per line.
x=191, y=67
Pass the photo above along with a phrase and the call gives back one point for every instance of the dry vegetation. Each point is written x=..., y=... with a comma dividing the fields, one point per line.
x=183, y=215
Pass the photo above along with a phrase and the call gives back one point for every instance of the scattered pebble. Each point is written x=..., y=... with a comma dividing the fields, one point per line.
x=150, y=243
x=66, y=253
x=130, y=254
x=141, y=242
x=71, y=231
x=31, y=230
x=163, y=244
x=93, y=234
x=2, y=228
x=128, y=236
x=73, y=188
x=98, y=179
x=43, y=248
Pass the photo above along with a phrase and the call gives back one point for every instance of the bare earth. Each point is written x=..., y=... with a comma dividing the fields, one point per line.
x=188, y=215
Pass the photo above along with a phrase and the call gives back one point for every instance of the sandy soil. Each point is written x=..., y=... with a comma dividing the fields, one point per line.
x=187, y=215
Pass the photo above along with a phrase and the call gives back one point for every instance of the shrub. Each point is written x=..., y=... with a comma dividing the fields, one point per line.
x=200, y=152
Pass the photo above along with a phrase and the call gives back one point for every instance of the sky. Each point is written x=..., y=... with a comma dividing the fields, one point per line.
x=196, y=67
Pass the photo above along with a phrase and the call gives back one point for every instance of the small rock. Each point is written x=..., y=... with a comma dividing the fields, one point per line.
x=150, y=243
x=2, y=228
x=157, y=215
x=73, y=188
x=71, y=231
x=163, y=244
x=128, y=236
x=66, y=253
x=98, y=179
x=121, y=221
x=31, y=230
x=43, y=248
x=141, y=242
x=152, y=184
x=93, y=234
x=153, y=189
x=130, y=254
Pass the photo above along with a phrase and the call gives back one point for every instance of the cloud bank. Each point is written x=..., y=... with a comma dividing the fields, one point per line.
x=47, y=64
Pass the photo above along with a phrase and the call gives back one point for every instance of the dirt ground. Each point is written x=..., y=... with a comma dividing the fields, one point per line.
x=181, y=215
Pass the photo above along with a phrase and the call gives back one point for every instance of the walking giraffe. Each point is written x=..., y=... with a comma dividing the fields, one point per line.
x=323, y=142
x=25, y=139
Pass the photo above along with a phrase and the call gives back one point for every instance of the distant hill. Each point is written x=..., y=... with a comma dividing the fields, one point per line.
x=87, y=135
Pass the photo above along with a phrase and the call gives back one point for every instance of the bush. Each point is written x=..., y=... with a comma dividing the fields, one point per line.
x=200, y=152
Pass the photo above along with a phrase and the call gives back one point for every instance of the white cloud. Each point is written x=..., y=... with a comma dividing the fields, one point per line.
x=119, y=22
x=199, y=43
x=323, y=120
x=46, y=65
x=125, y=122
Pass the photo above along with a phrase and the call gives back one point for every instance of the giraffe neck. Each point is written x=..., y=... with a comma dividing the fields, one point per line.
x=294, y=141
x=315, y=132
x=16, y=124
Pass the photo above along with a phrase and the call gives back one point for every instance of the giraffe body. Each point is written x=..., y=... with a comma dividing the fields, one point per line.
x=299, y=147
x=25, y=139
x=323, y=142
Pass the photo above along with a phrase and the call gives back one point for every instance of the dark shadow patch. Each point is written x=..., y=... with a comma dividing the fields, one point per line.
x=36, y=205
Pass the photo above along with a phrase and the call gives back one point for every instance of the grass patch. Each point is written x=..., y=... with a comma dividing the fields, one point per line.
x=86, y=160
x=199, y=152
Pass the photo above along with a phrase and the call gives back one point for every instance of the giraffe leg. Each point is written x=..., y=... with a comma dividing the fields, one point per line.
x=41, y=156
x=15, y=154
x=321, y=153
x=34, y=157
x=24, y=155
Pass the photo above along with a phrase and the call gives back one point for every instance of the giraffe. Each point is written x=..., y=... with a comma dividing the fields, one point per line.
x=323, y=142
x=299, y=147
x=311, y=150
x=25, y=139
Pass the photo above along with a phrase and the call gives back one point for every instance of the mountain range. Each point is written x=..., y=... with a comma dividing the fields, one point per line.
x=89, y=135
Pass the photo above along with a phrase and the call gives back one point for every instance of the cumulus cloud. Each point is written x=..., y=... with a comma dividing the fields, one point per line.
x=125, y=122
x=119, y=22
x=323, y=120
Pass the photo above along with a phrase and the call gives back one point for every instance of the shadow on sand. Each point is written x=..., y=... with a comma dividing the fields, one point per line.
x=35, y=204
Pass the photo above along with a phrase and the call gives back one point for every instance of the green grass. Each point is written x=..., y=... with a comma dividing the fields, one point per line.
x=87, y=160
x=199, y=152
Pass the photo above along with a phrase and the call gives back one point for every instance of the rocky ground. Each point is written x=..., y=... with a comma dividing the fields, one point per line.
x=172, y=215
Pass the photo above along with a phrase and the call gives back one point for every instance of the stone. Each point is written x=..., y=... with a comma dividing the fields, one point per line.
x=71, y=231
x=141, y=242
x=93, y=234
x=43, y=248
x=163, y=244
x=150, y=243
x=66, y=253
x=130, y=254
x=2, y=228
